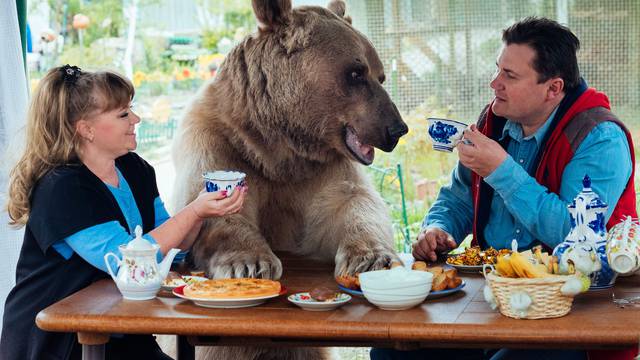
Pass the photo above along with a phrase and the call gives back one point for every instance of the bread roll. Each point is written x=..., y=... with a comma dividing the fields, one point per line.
x=451, y=273
x=453, y=282
x=419, y=265
x=439, y=282
x=435, y=270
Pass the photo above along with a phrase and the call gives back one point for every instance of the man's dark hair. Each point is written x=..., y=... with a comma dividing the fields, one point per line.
x=555, y=46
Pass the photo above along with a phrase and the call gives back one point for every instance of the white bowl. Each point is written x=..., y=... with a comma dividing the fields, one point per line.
x=415, y=291
x=396, y=289
x=385, y=303
x=395, y=279
x=399, y=288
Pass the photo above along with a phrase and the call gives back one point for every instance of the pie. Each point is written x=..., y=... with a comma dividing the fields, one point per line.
x=243, y=288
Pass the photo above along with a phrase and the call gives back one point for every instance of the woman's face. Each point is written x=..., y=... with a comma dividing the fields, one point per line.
x=114, y=131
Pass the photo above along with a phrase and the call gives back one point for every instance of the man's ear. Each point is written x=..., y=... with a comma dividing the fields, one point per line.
x=271, y=14
x=556, y=88
x=339, y=8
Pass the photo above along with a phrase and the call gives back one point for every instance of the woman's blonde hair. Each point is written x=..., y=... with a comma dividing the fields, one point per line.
x=64, y=96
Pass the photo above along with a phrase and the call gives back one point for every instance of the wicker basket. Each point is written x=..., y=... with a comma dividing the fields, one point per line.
x=547, y=301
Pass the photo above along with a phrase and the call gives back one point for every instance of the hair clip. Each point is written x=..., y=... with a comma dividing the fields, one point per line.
x=70, y=73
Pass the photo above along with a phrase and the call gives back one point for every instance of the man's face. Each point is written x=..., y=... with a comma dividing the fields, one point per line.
x=518, y=95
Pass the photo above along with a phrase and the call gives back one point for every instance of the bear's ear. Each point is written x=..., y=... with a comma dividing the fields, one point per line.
x=271, y=14
x=339, y=8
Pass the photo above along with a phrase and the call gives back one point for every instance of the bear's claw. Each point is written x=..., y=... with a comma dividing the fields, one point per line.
x=245, y=264
x=351, y=261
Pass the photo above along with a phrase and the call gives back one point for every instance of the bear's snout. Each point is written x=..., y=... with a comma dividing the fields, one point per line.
x=393, y=133
x=397, y=131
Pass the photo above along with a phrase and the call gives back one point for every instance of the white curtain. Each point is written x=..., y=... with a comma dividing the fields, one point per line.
x=13, y=106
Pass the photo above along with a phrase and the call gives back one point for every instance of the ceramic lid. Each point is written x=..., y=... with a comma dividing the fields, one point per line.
x=139, y=243
x=592, y=199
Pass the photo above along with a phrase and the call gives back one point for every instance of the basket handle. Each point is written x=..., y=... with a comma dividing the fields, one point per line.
x=484, y=269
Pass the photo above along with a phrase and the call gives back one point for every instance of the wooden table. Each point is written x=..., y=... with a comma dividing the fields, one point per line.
x=462, y=319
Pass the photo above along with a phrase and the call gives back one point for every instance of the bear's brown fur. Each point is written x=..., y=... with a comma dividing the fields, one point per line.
x=297, y=107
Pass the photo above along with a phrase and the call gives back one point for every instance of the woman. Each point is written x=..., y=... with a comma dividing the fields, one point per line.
x=80, y=191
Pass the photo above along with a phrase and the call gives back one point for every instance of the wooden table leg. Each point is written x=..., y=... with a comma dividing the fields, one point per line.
x=93, y=345
x=93, y=352
x=185, y=350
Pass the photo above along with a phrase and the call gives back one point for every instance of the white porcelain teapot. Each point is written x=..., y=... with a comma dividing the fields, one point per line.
x=139, y=274
x=585, y=246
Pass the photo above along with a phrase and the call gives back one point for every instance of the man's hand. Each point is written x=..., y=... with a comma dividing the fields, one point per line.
x=483, y=155
x=430, y=241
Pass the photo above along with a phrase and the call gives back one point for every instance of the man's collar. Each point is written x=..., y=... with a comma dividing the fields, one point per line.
x=514, y=130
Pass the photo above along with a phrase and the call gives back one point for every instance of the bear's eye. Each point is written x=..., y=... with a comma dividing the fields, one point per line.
x=355, y=75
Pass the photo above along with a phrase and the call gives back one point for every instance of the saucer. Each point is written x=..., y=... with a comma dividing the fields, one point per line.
x=306, y=302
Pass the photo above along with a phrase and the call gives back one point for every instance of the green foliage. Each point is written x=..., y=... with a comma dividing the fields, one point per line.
x=419, y=162
x=236, y=14
x=242, y=17
x=107, y=19
x=88, y=57
x=414, y=150
x=210, y=38
x=153, y=47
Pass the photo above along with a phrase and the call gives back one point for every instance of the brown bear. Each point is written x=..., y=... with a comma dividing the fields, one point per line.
x=299, y=107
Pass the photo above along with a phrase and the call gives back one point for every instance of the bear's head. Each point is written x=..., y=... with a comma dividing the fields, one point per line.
x=310, y=85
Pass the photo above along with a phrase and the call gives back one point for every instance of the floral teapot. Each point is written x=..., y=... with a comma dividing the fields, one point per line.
x=584, y=249
x=139, y=274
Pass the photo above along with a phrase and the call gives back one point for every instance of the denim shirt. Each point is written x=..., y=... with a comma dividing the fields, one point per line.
x=521, y=208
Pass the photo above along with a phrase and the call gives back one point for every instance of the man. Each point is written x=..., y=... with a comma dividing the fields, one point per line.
x=524, y=161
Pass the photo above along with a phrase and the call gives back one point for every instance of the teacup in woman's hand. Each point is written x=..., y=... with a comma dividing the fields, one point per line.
x=445, y=133
x=223, y=180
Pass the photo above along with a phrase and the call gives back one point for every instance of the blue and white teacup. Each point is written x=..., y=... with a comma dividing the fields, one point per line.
x=223, y=180
x=445, y=133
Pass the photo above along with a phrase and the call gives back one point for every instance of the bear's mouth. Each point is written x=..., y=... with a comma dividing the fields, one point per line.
x=362, y=152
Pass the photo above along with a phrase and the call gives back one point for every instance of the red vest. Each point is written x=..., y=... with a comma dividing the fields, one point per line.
x=588, y=110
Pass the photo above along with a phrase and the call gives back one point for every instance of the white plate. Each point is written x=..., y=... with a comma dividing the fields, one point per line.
x=189, y=279
x=432, y=294
x=305, y=301
x=467, y=268
x=226, y=303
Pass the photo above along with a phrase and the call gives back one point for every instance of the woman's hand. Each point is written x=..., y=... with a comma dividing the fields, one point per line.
x=212, y=204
